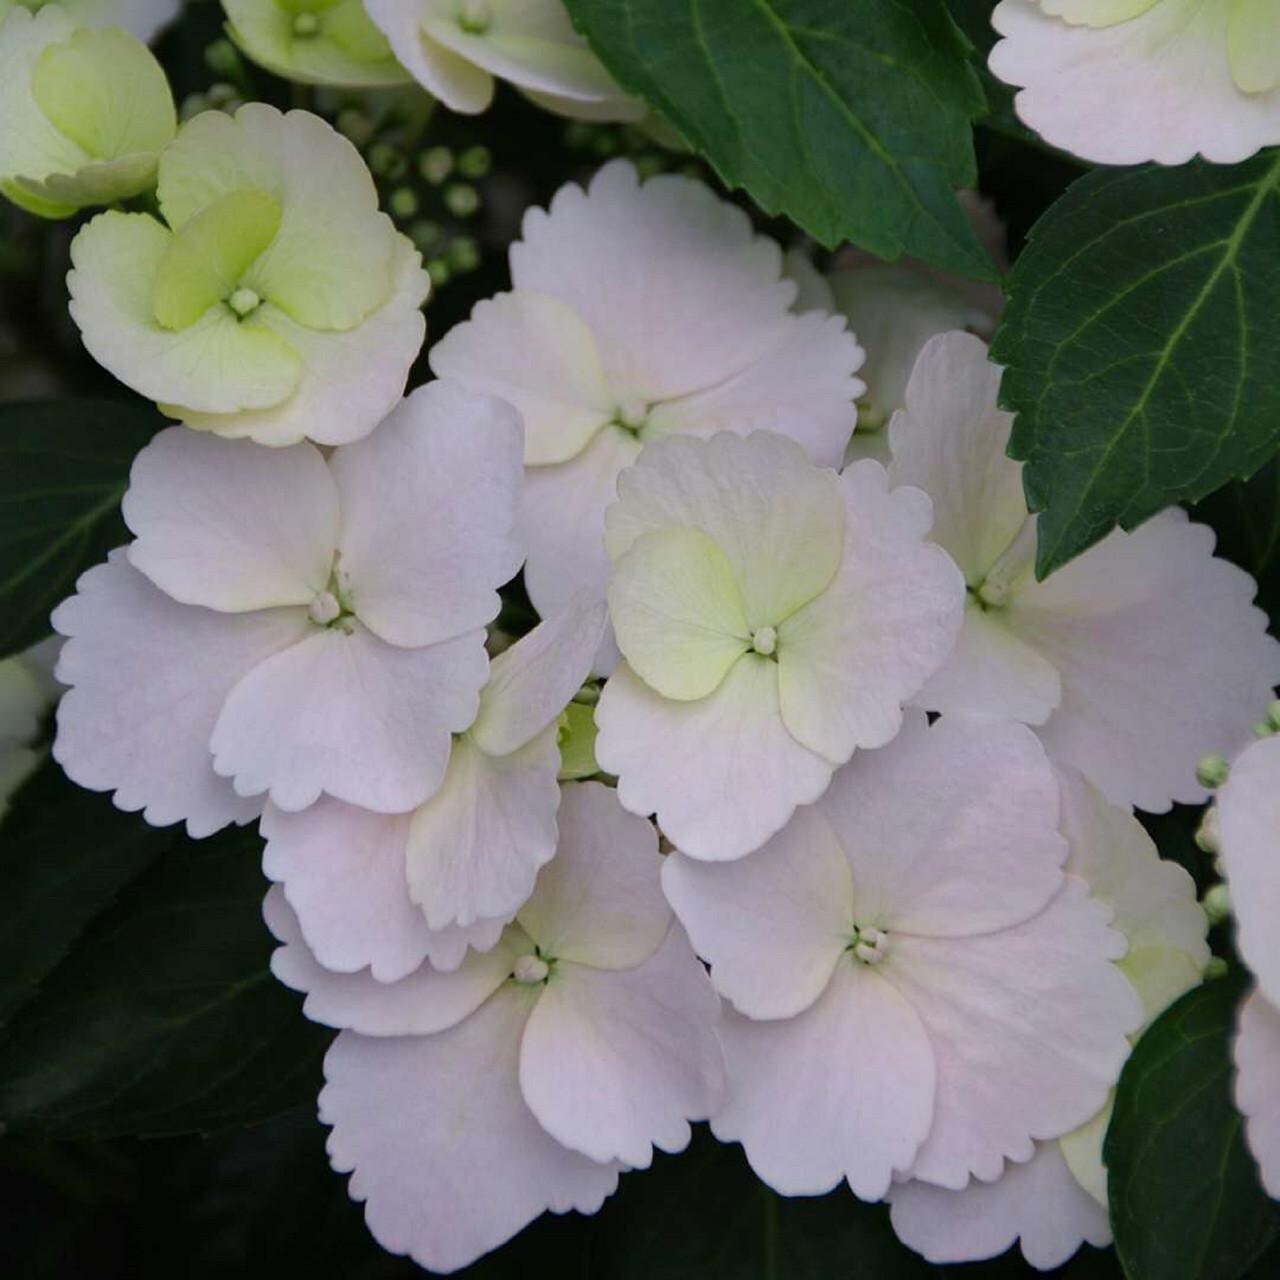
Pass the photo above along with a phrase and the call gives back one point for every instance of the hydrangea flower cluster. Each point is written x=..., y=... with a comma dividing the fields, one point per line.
x=852, y=870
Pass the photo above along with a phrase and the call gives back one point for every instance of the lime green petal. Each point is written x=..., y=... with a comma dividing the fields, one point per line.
x=217, y=365
x=677, y=612
x=349, y=27
x=207, y=257
x=24, y=195
x=99, y=182
x=30, y=145
x=330, y=264
x=1253, y=45
x=106, y=92
x=347, y=50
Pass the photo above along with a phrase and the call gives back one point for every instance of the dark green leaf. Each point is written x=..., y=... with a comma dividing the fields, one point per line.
x=850, y=116
x=164, y=1017
x=64, y=855
x=1140, y=342
x=1185, y=1198
x=63, y=468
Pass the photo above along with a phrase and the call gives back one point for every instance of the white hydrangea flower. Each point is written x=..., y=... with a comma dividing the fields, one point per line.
x=325, y=42
x=1133, y=661
x=1124, y=81
x=1248, y=809
x=84, y=113
x=286, y=625
x=1057, y=1200
x=774, y=618
x=456, y=48
x=274, y=301
x=638, y=311
x=27, y=691
x=465, y=1104
x=917, y=987
x=142, y=18
x=389, y=891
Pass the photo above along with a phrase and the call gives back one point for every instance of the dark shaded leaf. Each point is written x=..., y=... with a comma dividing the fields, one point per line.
x=850, y=116
x=1186, y=1203
x=164, y=1017
x=63, y=469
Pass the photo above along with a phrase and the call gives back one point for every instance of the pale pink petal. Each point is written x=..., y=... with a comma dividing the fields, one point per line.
x=149, y=677
x=722, y=774
x=428, y=509
x=1158, y=87
x=346, y=714
x=424, y=1002
x=1028, y=1027
x=530, y=683
x=599, y=901
x=849, y=659
x=474, y=848
x=1249, y=845
x=1037, y=1203
x=343, y=873
x=804, y=388
x=1162, y=656
x=678, y=290
x=562, y=520
x=773, y=925
x=536, y=353
x=448, y=1159
x=231, y=525
x=951, y=830
x=1257, y=1057
x=842, y=1090
x=459, y=84
x=614, y=1064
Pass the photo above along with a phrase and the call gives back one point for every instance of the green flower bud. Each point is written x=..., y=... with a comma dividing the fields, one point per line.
x=1212, y=772
x=463, y=254
x=1216, y=903
x=475, y=162
x=426, y=234
x=220, y=94
x=386, y=161
x=403, y=202
x=222, y=59
x=435, y=164
x=461, y=199
x=354, y=125
x=1216, y=968
x=88, y=113
x=438, y=270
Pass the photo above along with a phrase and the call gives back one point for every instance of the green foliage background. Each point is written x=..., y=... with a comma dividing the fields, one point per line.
x=157, y=1087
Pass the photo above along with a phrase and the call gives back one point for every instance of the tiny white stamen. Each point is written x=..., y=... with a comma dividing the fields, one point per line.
x=870, y=945
x=243, y=302
x=632, y=413
x=765, y=641
x=324, y=609
x=305, y=24
x=475, y=16
x=530, y=970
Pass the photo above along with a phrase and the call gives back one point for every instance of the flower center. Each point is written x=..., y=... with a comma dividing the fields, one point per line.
x=530, y=970
x=631, y=414
x=324, y=609
x=765, y=641
x=306, y=24
x=869, y=944
x=475, y=16
x=244, y=302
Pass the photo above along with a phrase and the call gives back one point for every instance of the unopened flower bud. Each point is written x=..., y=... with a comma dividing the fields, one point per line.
x=1216, y=968
x=223, y=60
x=435, y=164
x=463, y=254
x=1217, y=904
x=461, y=199
x=1212, y=772
x=475, y=162
x=403, y=202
